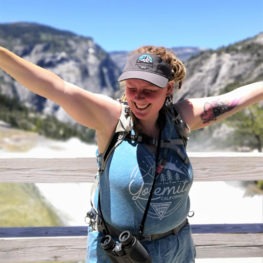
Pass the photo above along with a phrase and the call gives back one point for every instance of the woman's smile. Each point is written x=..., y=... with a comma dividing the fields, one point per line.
x=141, y=106
x=144, y=98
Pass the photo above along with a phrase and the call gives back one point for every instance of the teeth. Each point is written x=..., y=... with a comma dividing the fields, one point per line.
x=141, y=107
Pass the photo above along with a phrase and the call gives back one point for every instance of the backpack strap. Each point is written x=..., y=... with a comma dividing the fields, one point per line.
x=180, y=125
x=183, y=132
x=123, y=128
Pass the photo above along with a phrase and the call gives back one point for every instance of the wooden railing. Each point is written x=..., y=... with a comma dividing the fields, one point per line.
x=61, y=244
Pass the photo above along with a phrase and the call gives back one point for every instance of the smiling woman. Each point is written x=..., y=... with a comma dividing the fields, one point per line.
x=141, y=149
x=149, y=84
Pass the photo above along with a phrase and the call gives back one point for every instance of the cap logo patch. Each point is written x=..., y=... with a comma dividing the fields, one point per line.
x=144, y=61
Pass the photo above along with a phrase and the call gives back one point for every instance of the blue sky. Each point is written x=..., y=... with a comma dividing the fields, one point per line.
x=127, y=24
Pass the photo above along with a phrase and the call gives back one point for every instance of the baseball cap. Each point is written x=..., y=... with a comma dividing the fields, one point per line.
x=149, y=67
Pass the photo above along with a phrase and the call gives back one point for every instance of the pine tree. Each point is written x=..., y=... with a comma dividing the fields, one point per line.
x=248, y=127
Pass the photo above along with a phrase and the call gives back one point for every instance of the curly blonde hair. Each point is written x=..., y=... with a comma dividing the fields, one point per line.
x=178, y=68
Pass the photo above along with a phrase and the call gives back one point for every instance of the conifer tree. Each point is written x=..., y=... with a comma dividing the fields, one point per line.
x=248, y=127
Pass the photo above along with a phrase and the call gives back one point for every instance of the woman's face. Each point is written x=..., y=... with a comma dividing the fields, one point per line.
x=145, y=99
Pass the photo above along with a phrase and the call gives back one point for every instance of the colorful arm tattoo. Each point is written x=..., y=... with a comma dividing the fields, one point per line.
x=212, y=110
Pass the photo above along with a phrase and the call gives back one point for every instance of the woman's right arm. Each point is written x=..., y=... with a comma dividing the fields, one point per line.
x=89, y=109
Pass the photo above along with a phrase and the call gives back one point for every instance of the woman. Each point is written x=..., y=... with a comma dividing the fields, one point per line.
x=144, y=172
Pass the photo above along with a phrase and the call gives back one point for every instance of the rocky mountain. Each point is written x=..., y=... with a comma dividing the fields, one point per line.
x=75, y=58
x=212, y=72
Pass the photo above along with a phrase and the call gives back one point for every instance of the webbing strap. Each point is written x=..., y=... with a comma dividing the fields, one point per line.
x=157, y=172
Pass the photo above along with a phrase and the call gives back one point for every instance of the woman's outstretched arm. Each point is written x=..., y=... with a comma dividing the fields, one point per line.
x=202, y=112
x=95, y=111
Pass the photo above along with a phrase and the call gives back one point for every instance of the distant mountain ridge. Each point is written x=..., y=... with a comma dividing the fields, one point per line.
x=184, y=53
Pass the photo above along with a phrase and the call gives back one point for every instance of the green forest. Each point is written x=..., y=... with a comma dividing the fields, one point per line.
x=21, y=117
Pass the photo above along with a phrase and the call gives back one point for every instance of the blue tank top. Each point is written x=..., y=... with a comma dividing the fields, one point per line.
x=127, y=179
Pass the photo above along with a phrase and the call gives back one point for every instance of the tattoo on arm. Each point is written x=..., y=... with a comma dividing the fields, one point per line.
x=212, y=110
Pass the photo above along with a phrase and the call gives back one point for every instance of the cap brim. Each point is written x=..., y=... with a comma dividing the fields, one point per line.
x=148, y=76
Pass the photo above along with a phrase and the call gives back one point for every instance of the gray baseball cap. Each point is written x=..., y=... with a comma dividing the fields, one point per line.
x=149, y=67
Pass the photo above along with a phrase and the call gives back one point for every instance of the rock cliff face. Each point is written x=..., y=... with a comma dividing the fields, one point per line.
x=212, y=72
x=75, y=58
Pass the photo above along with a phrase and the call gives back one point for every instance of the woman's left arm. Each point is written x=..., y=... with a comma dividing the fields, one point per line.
x=202, y=112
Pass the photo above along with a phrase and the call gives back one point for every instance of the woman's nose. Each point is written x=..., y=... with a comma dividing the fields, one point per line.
x=139, y=95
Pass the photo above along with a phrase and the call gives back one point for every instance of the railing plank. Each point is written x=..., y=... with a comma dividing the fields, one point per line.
x=47, y=170
x=241, y=167
x=57, y=170
x=71, y=248
x=229, y=245
x=42, y=249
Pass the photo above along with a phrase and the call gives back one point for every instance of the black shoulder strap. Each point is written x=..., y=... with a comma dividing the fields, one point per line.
x=181, y=127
